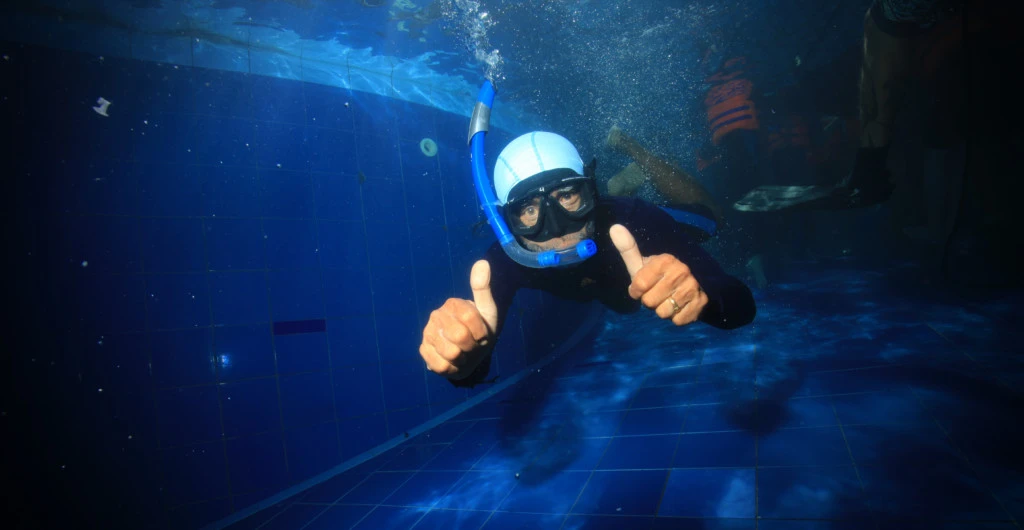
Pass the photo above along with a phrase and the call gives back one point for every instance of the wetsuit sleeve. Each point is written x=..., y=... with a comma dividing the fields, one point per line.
x=505, y=281
x=730, y=302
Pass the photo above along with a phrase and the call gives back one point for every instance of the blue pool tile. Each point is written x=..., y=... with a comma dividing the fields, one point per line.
x=556, y=494
x=639, y=452
x=599, y=424
x=222, y=141
x=331, y=151
x=715, y=449
x=281, y=146
x=424, y=489
x=429, y=236
x=165, y=138
x=287, y=194
x=194, y=473
x=524, y=521
x=312, y=449
x=268, y=450
x=302, y=352
x=127, y=315
x=823, y=446
x=358, y=390
x=413, y=457
x=347, y=292
x=250, y=407
x=401, y=342
x=607, y=522
x=295, y=295
x=448, y=519
x=163, y=87
x=198, y=514
x=944, y=491
x=402, y=421
x=672, y=377
x=810, y=493
x=169, y=190
x=172, y=245
x=333, y=488
x=325, y=107
x=362, y=433
x=182, y=357
x=415, y=121
x=341, y=516
x=460, y=455
x=306, y=399
x=444, y=433
x=104, y=244
x=278, y=100
x=384, y=202
x=579, y=454
x=880, y=408
x=291, y=244
x=295, y=516
x=377, y=487
x=257, y=519
x=417, y=167
x=397, y=285
x=671, y=523
x=390, y=517
x=849, y=381
x=890, y=445
x=221, y=93
x=653, y=421
x=711, y=392
x=709, y=493
x=239, y=298
x=769, y=524
x=705, y=418
x=231, y=192
x=808, y=412
x=235, y=244
x=479, y=490
x=338, y=196
x=195, y=407
x=662, y=396
x=297, y=327
x=177, y=301
x=622, y=493
x=342, y=244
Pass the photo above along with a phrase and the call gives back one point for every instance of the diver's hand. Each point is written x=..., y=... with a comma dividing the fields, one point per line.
x=459, y=333
x=662, y=282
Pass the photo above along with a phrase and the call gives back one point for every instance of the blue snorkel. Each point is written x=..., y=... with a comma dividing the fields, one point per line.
x=479, y=124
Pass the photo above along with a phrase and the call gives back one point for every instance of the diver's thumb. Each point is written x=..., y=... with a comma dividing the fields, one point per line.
x=480, y=282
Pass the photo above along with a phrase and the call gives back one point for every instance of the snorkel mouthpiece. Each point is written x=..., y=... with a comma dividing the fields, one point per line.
x=479, y=124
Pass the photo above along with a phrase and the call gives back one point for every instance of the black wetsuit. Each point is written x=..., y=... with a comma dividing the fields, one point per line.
x=604, y=277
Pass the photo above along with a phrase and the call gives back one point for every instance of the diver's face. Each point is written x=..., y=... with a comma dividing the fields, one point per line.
x=570, y=200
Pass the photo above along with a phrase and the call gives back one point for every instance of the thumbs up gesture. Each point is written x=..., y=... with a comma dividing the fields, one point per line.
x=662, y=282
x=460, y=333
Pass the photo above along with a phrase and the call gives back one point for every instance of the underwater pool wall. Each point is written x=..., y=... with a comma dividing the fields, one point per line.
x=220, y=282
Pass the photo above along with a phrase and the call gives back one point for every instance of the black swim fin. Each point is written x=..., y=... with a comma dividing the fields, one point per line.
x=802, y=198
x=867, y=184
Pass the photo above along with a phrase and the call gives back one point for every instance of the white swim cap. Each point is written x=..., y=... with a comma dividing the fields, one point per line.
x=529, y=155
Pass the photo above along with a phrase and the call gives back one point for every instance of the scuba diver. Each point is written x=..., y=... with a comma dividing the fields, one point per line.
x=549, y=201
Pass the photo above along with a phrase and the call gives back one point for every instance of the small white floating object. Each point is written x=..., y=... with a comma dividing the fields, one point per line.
x=101, y=107
x=798, y=61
